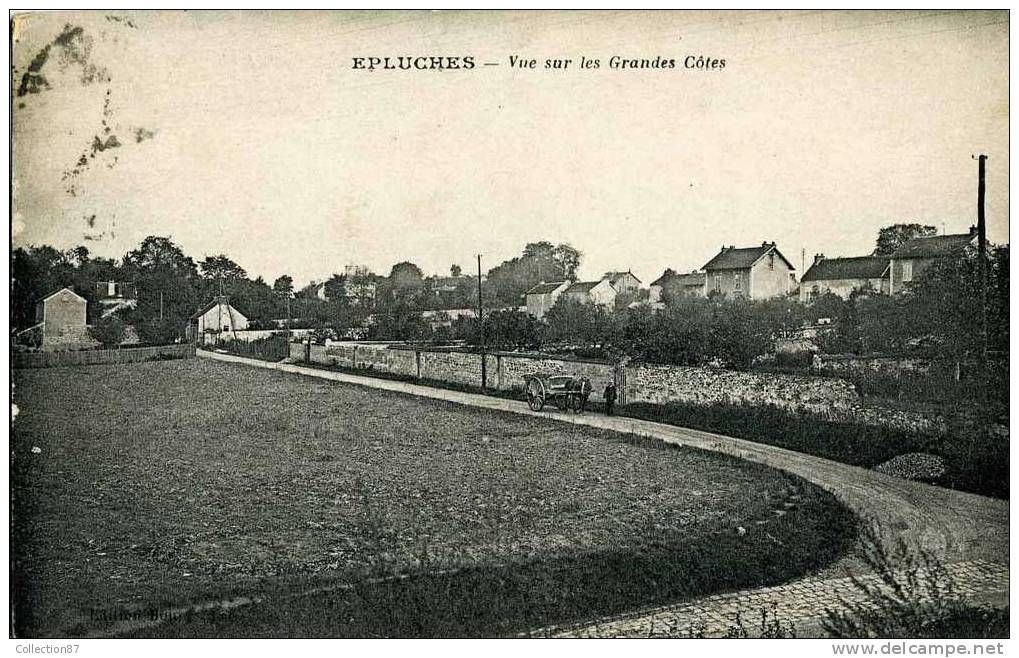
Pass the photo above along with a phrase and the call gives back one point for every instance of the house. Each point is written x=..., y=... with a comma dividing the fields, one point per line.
x=217, y=316
x=60, y=323
x=602, y=292
x=115, y=295
x=542, y=297
x=841, y=276
x=624, y=282
x=749, y=272
x=676, y=285
x=916, y=255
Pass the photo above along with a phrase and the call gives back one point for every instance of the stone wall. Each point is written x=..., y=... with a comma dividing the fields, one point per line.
x=511, y=369
x=450, y=366
x=663, y=384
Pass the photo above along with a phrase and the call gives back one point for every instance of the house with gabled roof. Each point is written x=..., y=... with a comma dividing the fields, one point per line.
x=749, y=273
x=917, y=254
x=843, y=276
x=624, y=282
x=601, y=292
x=218, y=316
x=541, y=298
x=673, y=284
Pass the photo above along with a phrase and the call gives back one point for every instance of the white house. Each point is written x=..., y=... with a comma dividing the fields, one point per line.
x=602, y=293
x=218, y=316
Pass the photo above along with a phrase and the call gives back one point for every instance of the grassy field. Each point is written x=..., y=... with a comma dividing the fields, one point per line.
x=166, y=483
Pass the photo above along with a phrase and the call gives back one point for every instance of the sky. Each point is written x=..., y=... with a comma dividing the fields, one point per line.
x=251, y=134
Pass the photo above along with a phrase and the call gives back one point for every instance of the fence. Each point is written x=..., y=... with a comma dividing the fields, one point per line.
x=100, y=357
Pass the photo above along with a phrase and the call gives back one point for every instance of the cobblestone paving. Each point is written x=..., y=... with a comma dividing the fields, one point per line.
x=800, y=603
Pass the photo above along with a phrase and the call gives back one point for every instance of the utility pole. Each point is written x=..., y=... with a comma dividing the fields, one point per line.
x=160, y=305
x=481, y=327
x=982, y=264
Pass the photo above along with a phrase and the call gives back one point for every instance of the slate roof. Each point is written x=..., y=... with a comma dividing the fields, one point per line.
x=672, y=278
x=731, y=258
x=583, y=286
x=544, y=288
x=934, y=246
x=861, y=267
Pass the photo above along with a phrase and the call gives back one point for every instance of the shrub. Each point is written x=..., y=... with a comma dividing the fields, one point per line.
x=109, y=331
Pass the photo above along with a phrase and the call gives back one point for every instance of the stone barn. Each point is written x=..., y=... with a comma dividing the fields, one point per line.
x=61, y=321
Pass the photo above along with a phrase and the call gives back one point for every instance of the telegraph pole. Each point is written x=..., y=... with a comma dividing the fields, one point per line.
x=481, y=327
x=982, y=263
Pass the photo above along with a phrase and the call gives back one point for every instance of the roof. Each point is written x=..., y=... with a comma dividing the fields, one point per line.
x=57, y=292
x=583, y=286
x=861, y=267
x=672, y=278
x=934, y=246
x=544, y=288
x=616, y=276
x=216, y=301
x=731, y=258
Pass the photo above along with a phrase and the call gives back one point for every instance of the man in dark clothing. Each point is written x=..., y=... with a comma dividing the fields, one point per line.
x=610, y=397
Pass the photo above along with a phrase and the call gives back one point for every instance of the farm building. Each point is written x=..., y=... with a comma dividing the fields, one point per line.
x=60, y=322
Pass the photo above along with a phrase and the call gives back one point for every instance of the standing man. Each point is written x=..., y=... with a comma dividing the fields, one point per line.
x=610, y=397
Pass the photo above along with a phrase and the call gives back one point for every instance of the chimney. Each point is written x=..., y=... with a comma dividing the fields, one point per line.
x=818, y=258
x=973, y=230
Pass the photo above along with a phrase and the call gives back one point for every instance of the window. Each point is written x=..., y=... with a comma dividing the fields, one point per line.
x=907, y=270
x=737, y=282
x=771, y=261
x=718, y=282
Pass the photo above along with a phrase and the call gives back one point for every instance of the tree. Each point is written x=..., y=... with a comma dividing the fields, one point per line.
x=892, y=237
x=512, y=329
x=572, y=322
x=283, y=287
x=568, y=260
x=336, y=288
x=540, y=261
x=405, y=275
x=160, y=252
x=109, y=331
x=167, y=281
x=454, y=270
x=221, y=267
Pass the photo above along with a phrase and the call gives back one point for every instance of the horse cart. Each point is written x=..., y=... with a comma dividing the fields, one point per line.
x=564, y=391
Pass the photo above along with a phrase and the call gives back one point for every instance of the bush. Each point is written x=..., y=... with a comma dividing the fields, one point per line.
x=109, y=331
x=157, y=332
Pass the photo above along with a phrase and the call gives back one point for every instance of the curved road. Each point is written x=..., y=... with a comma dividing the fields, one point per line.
x=951, y=526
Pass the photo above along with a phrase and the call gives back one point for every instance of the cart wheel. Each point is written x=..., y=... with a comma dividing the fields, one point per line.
x=535, y=402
